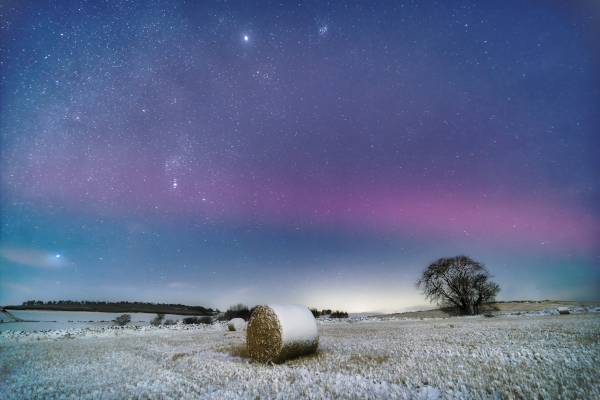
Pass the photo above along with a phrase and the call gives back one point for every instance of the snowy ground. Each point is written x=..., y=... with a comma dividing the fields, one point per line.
x=524, y=357
x=71, y=319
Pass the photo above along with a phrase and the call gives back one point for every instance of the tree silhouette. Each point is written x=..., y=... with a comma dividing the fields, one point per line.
x=458, y=283
x=338, y=314
x=238, y=311
x=123, y=320
x=158, y=319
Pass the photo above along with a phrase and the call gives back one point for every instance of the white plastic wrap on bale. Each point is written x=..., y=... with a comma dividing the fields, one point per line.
x=563, y=310
x=237, y=324
x=277, y=332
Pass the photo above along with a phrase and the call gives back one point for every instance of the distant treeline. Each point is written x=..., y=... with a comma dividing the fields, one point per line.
x=243, y=311
x=109, y=306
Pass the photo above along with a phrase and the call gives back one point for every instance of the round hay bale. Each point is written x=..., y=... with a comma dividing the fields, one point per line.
x=563, y=310
x=277, y=332
x=237, y=324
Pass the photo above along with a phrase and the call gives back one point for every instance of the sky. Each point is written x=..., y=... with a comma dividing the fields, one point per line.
x=323, y=153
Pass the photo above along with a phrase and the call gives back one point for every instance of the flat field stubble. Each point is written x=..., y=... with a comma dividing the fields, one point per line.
x=547, y=357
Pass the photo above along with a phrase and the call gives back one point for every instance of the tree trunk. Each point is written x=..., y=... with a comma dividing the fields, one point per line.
x=465, y=307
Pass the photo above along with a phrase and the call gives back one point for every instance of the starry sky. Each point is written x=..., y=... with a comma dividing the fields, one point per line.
x=323, y=153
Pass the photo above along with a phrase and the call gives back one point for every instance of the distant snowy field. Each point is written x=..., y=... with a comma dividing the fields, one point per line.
x=530, y=357
x=56, y=320
x=71, y=319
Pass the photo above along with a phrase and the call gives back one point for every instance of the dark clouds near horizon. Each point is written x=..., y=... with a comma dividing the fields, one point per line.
x=323, y=153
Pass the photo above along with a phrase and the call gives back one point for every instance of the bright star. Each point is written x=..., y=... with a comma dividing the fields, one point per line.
x=58, y=255
x=246, y=38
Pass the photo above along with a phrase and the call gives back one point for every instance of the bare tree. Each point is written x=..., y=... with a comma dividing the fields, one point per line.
x=458, y=283
x=123, y=320
x=158, y=319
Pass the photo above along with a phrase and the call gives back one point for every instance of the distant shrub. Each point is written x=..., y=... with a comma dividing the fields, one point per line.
x=316, y=313
x=238, y=311
x=123, y=320
x=197, y=320
x=339, y=314
x=326, y=312
x=169, y=322
x=158, y=320
x=191, y=320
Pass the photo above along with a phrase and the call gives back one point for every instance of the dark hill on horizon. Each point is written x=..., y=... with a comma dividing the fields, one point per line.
x=501, y=306
x=117, y=308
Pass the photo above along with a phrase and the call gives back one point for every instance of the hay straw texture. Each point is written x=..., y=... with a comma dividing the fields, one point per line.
x=563, y=310
x=237, y=324
x=277, y=332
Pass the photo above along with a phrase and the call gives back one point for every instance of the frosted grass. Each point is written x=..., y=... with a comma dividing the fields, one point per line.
x=549, y=357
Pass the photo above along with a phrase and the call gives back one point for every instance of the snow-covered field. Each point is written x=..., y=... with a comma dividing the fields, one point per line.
x=71, y=319
x=519, y=357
